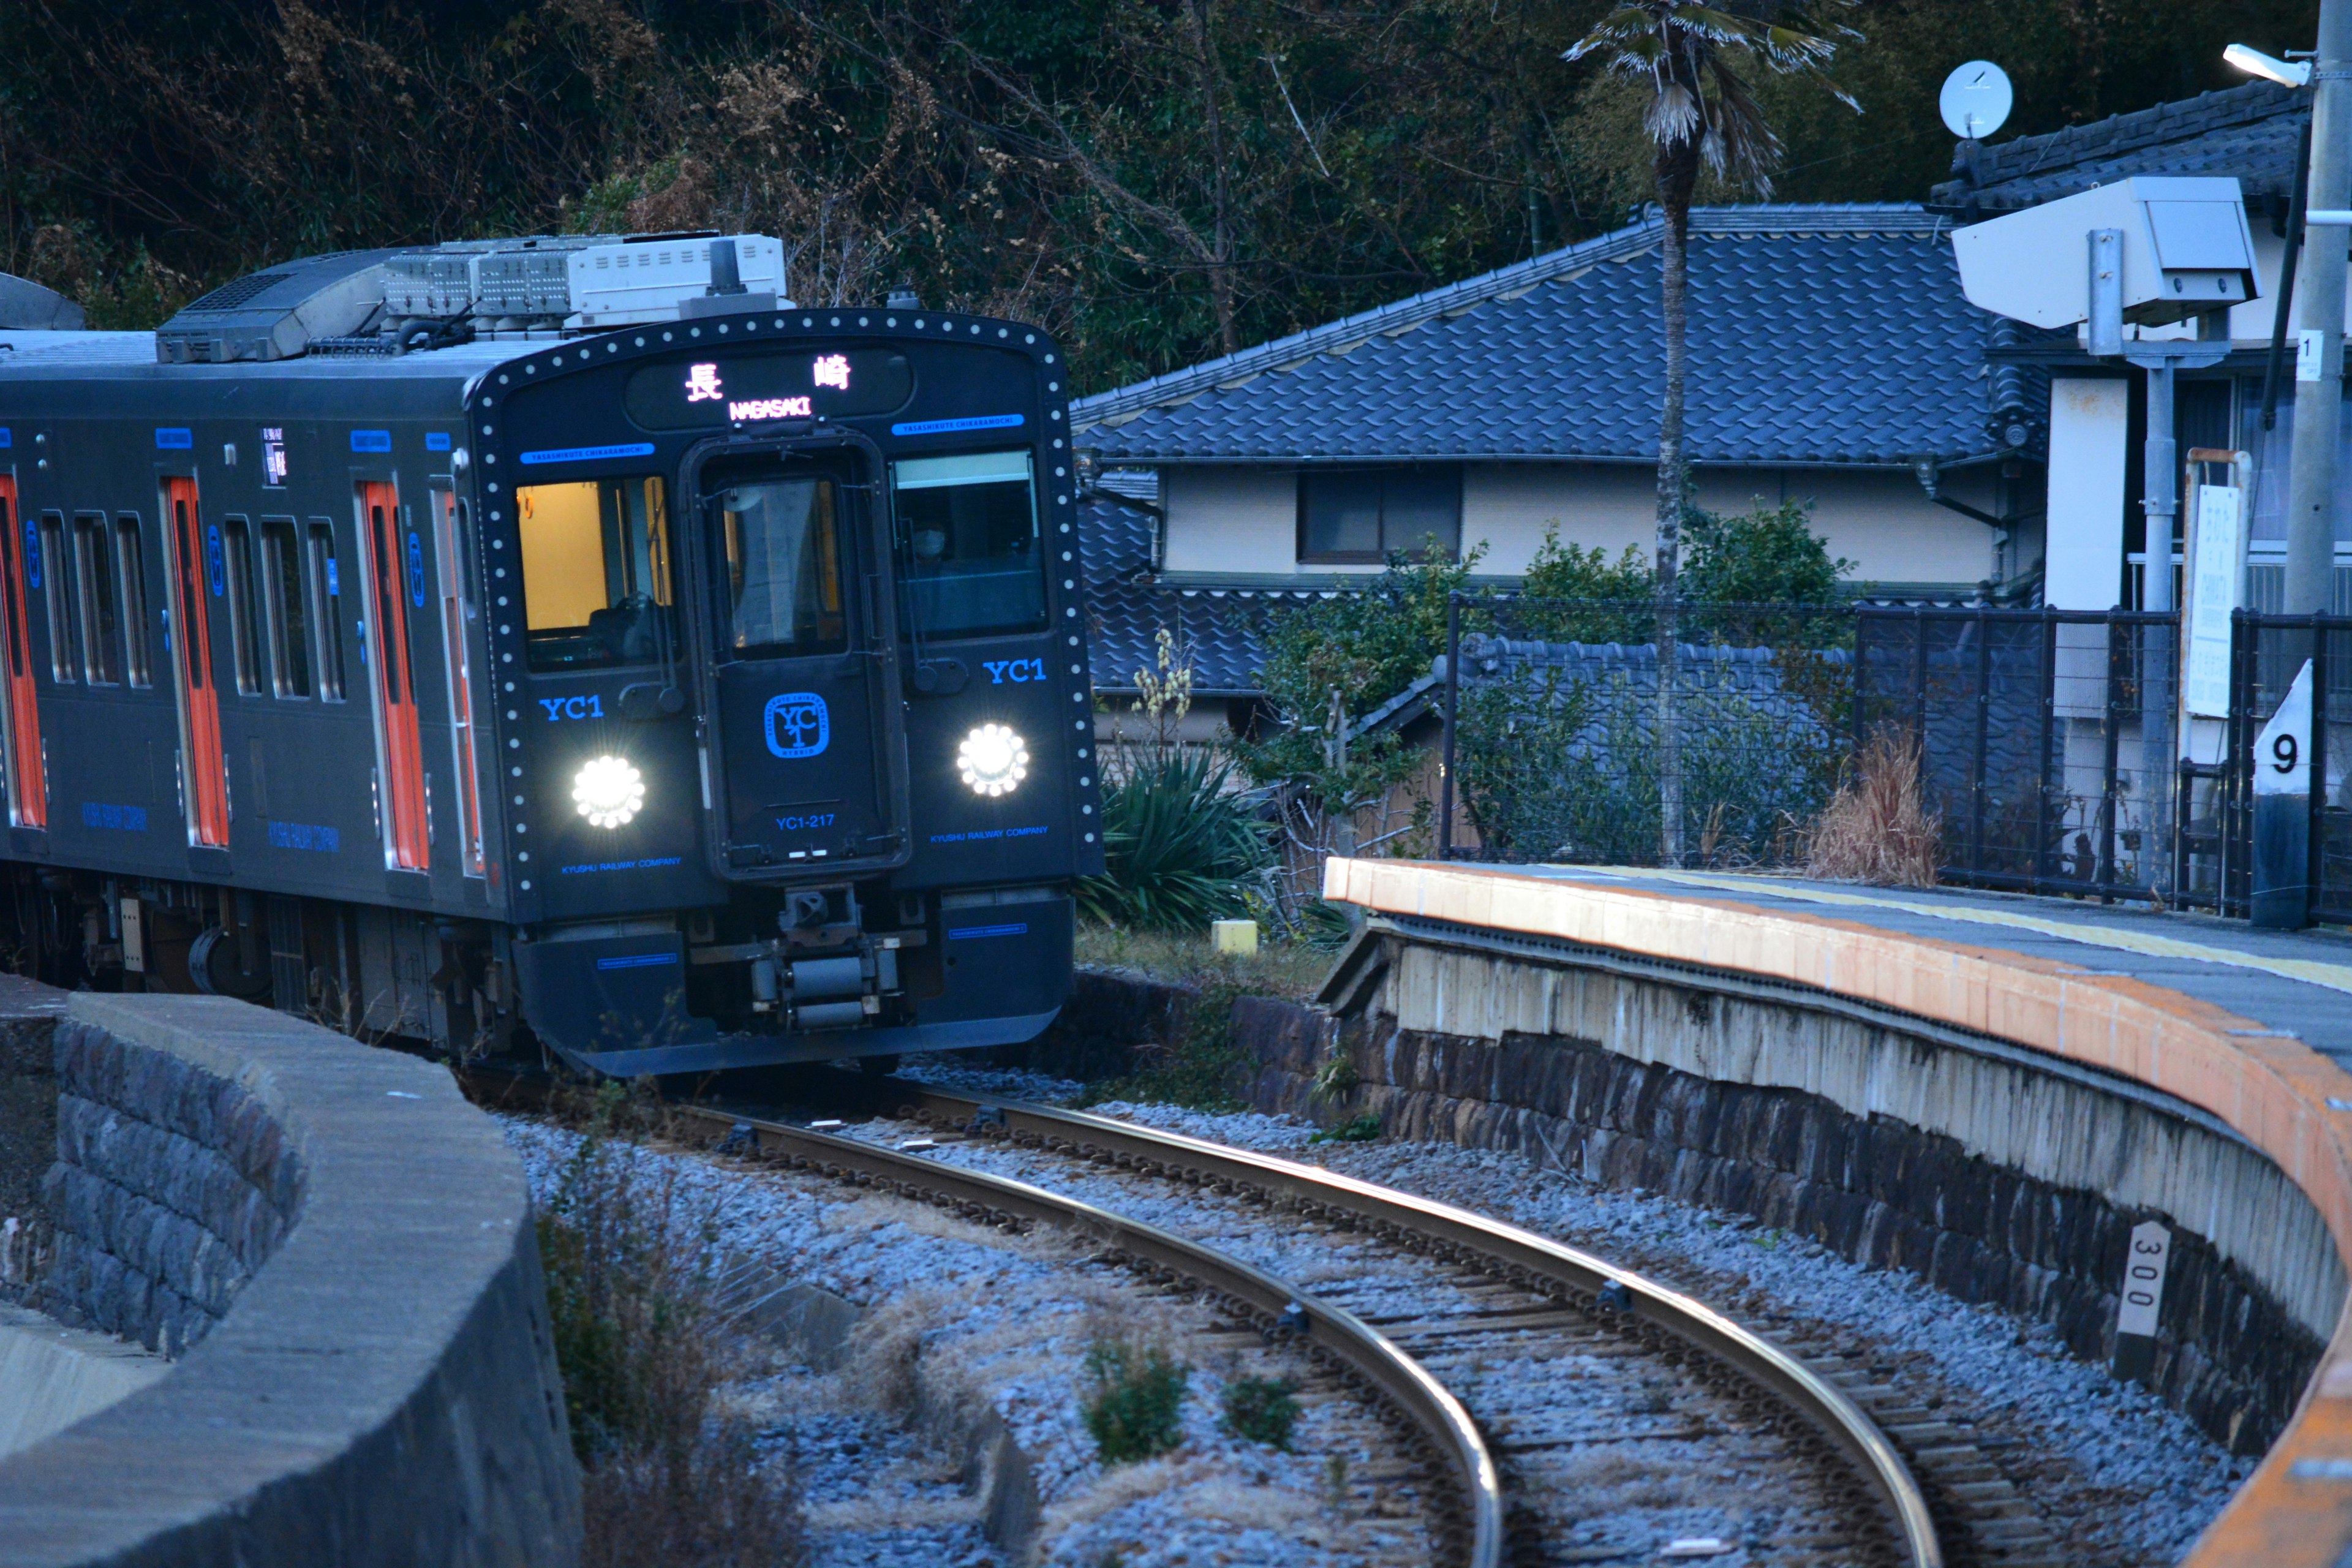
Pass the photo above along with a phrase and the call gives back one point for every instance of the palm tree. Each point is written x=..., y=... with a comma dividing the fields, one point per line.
x=1699, y=113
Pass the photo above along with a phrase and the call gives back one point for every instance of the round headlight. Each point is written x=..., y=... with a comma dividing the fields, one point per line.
x=608, y=791
x=992, y=760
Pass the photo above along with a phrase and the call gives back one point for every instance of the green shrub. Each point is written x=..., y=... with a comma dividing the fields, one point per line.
x=1180, y=846
x=1261, y=1410
x=1135, y=1404
x=1364, y=1129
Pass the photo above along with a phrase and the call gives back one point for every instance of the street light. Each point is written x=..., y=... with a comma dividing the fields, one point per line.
x=2270, y=68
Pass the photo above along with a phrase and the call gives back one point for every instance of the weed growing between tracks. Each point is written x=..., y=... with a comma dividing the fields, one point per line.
x=1261, y=1410
x=632, y=1268
x=1135, y=1402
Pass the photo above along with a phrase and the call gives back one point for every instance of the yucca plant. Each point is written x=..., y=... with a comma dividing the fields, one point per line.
x=1180, y=847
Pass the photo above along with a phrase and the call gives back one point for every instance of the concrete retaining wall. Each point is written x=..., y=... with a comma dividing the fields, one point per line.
x=1991, y=1176
x=340, y=1250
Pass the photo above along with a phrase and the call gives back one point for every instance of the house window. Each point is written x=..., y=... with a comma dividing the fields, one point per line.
x=1350, y=516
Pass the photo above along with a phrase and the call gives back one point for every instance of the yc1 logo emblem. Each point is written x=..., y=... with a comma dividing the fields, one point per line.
x=798, y=725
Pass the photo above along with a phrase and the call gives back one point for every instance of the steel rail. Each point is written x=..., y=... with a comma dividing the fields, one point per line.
x=1458, y=1234
x=1472, y=1526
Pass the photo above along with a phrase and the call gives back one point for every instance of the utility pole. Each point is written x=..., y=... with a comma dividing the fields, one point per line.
x=2319, y=344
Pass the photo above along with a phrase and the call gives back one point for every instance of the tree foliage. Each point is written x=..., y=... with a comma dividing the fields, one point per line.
x=1151, y=181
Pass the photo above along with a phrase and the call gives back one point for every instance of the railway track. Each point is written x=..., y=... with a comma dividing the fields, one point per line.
x=1467, y=1356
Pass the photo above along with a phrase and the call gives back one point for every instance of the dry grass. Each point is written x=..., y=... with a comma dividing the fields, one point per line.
x=1878, y=828
x=632, y=1270
x=1605, y=1480
x=1294, y=970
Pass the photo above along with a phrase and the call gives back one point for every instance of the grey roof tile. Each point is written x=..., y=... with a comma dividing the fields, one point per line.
x=1828, y=336
x=1127, y=609
x=2248, y=131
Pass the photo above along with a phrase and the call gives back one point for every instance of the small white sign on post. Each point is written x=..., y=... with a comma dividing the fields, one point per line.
x=2143, y=1292
x=2283, y=751
x=2212, y=594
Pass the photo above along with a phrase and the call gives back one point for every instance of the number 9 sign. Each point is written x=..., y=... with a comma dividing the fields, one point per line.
x=2283, y=751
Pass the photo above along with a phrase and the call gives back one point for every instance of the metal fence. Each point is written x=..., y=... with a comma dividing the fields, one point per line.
x=2045, y=738
x=2045, y=751
x=2052, y=751
x=2266, y=651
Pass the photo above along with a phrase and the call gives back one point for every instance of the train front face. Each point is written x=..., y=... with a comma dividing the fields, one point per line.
x=789, y=661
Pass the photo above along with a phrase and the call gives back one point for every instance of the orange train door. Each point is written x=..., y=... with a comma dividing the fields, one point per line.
x=395, y=690
x=203, y=765
x=28, y=788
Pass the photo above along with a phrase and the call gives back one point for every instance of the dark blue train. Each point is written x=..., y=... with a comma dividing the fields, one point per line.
x=561, y=642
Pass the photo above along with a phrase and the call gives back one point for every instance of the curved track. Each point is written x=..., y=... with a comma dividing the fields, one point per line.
x=1467, y=1514
x=1533, y=1287
x=1541, y=1287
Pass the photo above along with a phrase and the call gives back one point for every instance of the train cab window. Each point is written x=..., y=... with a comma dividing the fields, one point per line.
x=968, y=543
x=596, y=572
x=131, y=574
x=288, y=634
x=55, y=597
x=783, y=539
x=244, y=607
x=325, y=596
x=101, y=659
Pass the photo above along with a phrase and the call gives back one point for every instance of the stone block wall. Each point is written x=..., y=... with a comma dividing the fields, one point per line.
x=340, y=1251
x=172, y=1188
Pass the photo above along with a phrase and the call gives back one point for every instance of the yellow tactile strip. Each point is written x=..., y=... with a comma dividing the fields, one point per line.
x=2296, y=1512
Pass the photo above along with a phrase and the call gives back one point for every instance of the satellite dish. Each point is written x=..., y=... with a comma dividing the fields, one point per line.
x=1976, y=100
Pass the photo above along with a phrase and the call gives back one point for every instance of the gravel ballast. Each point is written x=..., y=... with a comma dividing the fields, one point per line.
x=1006, y=1320
x=2116, y=1474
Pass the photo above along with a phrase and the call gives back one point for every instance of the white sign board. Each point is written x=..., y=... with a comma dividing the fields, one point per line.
x=2283, y=751
x=2212, y=594
x=2143, y=1291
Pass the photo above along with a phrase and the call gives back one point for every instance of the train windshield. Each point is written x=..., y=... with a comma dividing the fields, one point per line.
x=595, y=574
x=968, y=545
x=783, y=568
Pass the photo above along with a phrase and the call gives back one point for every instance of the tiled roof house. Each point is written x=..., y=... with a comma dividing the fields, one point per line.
x=1833, y=360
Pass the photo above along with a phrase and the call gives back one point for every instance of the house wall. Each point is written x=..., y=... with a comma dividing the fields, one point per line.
x=1237, y=518
x=1244, y=518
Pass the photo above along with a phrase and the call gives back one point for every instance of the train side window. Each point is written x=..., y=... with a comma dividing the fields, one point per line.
x=131, y=566
x=55, y=599
x=968, y=545
x=101, y=663
x=288, y=639
x=244, y=607
x=596, y=577
x=326, y=596
x=783, y=567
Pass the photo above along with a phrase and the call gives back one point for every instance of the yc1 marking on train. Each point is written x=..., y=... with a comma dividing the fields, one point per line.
x=1018, y=671
x=561, y=708
x=798, y=724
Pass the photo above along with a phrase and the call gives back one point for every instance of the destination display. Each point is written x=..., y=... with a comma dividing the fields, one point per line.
x=750, y=388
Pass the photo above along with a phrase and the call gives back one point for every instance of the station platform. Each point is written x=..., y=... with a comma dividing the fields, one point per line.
x=2253, y=1028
